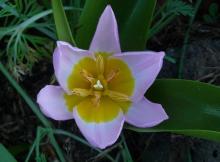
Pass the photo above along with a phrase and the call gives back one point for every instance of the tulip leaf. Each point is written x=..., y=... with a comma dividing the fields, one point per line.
x=133, y=17
x=134, y=33
x=62, y=26
x=193, y=108
x=5, y=155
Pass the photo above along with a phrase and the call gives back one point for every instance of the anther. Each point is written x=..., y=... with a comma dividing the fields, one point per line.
x=96, y=98
x=81, y=92
x=117, y=96
x=89, y=77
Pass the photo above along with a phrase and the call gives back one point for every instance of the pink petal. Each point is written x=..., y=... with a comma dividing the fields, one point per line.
x=52, y=103
x=102, y=134
x=145, y=114
x=64, y=58
x=106, y=37
x=145, y=67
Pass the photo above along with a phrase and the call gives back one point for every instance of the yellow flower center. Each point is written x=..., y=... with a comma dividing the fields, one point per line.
x=100, y=87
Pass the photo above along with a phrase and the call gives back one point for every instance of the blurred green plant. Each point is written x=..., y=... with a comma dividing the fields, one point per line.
x=186, y=39
x=166, y=13
x=213, y=14
x=25, y=29
x=23, y=36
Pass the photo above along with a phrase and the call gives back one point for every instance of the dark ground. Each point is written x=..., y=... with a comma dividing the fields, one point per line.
x=202, y=62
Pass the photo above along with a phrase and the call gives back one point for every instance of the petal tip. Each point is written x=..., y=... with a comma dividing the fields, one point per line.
x=107, y=14
x=109, y=9
x=106, y=36
x=59, y=43
x=145, y=114
x=162, y=117
x=109, y=143
x=162, y=53
x=62, y=43
x=41, y=99
x=51, y=103
x=41, y=92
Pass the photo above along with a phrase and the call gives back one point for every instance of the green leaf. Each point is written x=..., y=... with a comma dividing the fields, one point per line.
x=62, y=26
x=133, y=17
x=135, y=32
x=193, y=108
x=5, y=155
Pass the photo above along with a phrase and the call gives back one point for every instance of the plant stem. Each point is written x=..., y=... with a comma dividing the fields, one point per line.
x=128, y=154
x=56, y=147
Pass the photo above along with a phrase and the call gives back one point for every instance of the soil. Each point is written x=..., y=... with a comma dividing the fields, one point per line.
x=202, y=62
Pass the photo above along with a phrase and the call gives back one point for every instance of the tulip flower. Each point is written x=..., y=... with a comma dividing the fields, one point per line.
x=103, y=87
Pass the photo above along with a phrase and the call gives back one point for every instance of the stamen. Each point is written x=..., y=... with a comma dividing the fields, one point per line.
x=97, y=97
x=117, y=96
x=98, y=85
x=81, y=92
x=100, y=64
x=89, y=77
x=112, y=74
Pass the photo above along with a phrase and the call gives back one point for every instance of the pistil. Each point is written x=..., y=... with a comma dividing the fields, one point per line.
x=98, y=85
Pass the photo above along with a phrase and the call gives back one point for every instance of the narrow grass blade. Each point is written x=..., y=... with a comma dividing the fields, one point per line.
x=56, y=147
x=127, y=152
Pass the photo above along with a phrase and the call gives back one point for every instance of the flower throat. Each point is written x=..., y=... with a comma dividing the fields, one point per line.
x=99, y=84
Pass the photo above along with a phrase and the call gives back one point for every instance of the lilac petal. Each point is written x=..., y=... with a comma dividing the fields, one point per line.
x=102, y=134
x=106, y=37
x=64, y=58
x=145, y=67
x=52, y=103
x=145, y=114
